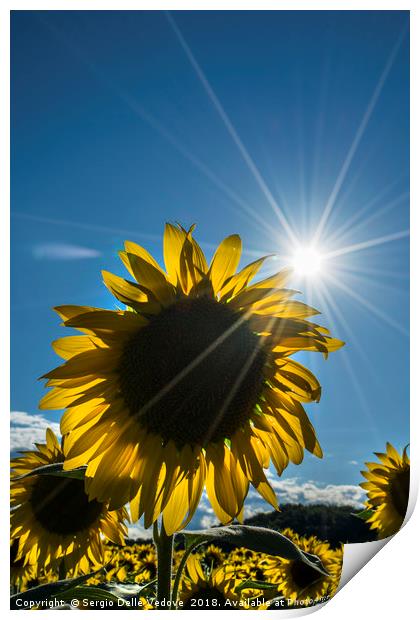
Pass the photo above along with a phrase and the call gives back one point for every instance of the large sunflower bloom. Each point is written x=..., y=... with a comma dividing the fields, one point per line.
x=192, y=385
x=53, y=518
x=298, y=581
x=388, y=489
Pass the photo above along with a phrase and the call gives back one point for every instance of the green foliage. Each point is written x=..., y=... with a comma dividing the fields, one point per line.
x=364, y=514
x=335, y=524
x=54, y=469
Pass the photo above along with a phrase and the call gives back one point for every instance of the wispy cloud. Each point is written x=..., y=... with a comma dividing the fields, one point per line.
x=63, y=251
x=26, y=428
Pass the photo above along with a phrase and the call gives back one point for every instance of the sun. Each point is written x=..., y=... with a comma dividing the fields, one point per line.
x=307, y=261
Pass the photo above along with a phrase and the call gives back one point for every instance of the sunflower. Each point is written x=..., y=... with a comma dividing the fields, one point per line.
x=20, y=572
x=207, y=589
x=388, y=488
x=147, y=568
x=212, y=556
x=57, y=525
x=123, y=568
x=247, y=564
x=299, y=581
x=191, y=385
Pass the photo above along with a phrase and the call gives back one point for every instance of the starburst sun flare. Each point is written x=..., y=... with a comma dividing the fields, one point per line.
x=307, y=260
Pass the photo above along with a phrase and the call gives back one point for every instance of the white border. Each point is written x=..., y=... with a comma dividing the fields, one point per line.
x=388, y=583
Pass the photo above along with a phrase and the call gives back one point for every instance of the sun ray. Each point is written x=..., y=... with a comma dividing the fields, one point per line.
x=366, y=281
x=357, y=138
x=153, y=122
x=400, y=275
x=330, y=308
x=109, y=229
x=353, y=223
x=83, y=226
x=364, y=302
x=231, y=129
x=370, y=243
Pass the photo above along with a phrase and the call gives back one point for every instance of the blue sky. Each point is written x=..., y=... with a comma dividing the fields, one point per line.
x=246, y=122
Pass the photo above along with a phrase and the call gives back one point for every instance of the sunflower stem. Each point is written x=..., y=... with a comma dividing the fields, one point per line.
x=164, y=547
x=181, y=567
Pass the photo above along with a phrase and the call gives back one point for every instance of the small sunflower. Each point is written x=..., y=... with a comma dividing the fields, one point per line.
x=207, y=589
x=299, y=581
x=147, y=568
x=212, y=556
x=247, y=564
x=124, y=567
x=388, y=489
x=191, y=385
x=20, y=572
x=53, y=518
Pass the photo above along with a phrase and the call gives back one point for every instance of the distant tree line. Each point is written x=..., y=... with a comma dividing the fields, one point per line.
x=335, y=524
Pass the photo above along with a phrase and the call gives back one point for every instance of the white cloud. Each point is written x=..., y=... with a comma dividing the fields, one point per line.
x=289, y=491
x=136, y=530
x=26, y=428
x=63, y=251
x=208, y=520
x=311, y=492
x=353, y=462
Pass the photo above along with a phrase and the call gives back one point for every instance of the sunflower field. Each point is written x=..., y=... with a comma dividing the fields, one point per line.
x=189, y=385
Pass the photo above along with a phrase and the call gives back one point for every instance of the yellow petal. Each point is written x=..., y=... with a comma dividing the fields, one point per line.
x=173, y=241
x=176, y=509
x=225, y=261
x=103, y=321
x=69, y=346
x=138, y=250
x=152, y=279
x=123, y=290
x=68, y=312
x=239, y=281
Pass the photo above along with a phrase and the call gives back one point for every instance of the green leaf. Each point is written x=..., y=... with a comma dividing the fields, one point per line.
x=364, y=514
x=48, y=590
x=54, y=469
x=93, y=593
x=127, y=590
x=259, y=539
x=255, y=585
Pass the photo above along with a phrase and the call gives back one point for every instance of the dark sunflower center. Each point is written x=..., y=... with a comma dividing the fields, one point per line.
x=129, y=565
x=61, y=505
x=205, y=598
x=143, y=554
x=150, y=567
x=212, y=559
x=400, y=490
x=194, y=374
x=303, y=575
